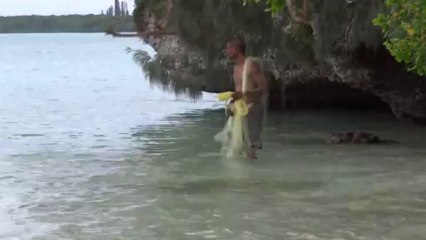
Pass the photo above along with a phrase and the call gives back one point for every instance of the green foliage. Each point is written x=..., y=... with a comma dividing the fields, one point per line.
x=69, y=23
x=404, y=28
x=207, y=25
x=156, y=72
x=274, y=6
x=331, y=28
x=298, y=43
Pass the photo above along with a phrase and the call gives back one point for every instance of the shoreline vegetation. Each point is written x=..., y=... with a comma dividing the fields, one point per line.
x=67, y=24
x=316, y=53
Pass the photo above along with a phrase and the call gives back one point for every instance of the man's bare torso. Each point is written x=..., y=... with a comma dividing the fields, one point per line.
x=238, y=80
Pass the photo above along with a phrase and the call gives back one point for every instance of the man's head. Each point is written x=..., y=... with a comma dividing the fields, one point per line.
x=236, y=47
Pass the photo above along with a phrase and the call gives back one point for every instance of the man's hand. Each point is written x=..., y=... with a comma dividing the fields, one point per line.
x=237, y=95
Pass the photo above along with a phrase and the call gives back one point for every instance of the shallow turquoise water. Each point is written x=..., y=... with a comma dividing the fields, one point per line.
x=90, y=151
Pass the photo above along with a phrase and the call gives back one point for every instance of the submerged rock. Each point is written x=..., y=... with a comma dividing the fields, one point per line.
x=357, y=138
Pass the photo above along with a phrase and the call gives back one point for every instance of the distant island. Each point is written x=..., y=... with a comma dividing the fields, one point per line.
x=68, y=23
x=115, y=19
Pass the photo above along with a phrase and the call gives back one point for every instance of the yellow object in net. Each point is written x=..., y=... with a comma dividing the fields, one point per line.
x=225, y=96
x=239, y=107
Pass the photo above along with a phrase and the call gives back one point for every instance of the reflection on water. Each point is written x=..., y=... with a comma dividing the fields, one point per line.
x=113, y=159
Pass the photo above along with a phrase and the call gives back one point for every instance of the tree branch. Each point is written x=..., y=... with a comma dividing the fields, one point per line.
x=304, y=16
x=166, y=19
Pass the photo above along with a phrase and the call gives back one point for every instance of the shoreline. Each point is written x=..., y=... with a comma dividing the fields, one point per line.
x=6, y=33
x=66, y=23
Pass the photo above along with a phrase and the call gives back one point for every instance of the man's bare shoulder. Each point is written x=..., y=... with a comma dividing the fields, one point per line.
x=255, y=64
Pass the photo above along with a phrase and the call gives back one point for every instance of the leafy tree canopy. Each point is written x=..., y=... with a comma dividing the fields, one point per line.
x=404, y=29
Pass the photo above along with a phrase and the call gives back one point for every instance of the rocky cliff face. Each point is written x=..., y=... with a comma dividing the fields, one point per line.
x=315, y=53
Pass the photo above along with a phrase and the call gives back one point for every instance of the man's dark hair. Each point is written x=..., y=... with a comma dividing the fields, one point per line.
x=239, y=42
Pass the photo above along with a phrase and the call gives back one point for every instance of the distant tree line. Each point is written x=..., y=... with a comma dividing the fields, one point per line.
x=119, y=9
x=69, y=23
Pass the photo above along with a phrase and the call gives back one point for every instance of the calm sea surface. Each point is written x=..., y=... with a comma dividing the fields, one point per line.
x=89, y=150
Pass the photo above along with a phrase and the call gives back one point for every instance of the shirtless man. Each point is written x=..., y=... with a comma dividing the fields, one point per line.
x=255, y=94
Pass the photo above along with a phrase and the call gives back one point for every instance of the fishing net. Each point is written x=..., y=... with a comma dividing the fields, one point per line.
x=235, y=136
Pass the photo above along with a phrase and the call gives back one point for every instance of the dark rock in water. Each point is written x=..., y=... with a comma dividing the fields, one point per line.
x=357, y=138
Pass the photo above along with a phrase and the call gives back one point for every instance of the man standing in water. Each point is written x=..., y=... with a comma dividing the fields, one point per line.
x=255, y=93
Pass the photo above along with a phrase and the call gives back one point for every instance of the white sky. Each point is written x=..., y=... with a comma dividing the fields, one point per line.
x=56, y=7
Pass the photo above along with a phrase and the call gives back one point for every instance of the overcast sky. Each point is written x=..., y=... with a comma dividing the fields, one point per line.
x=55, y=7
